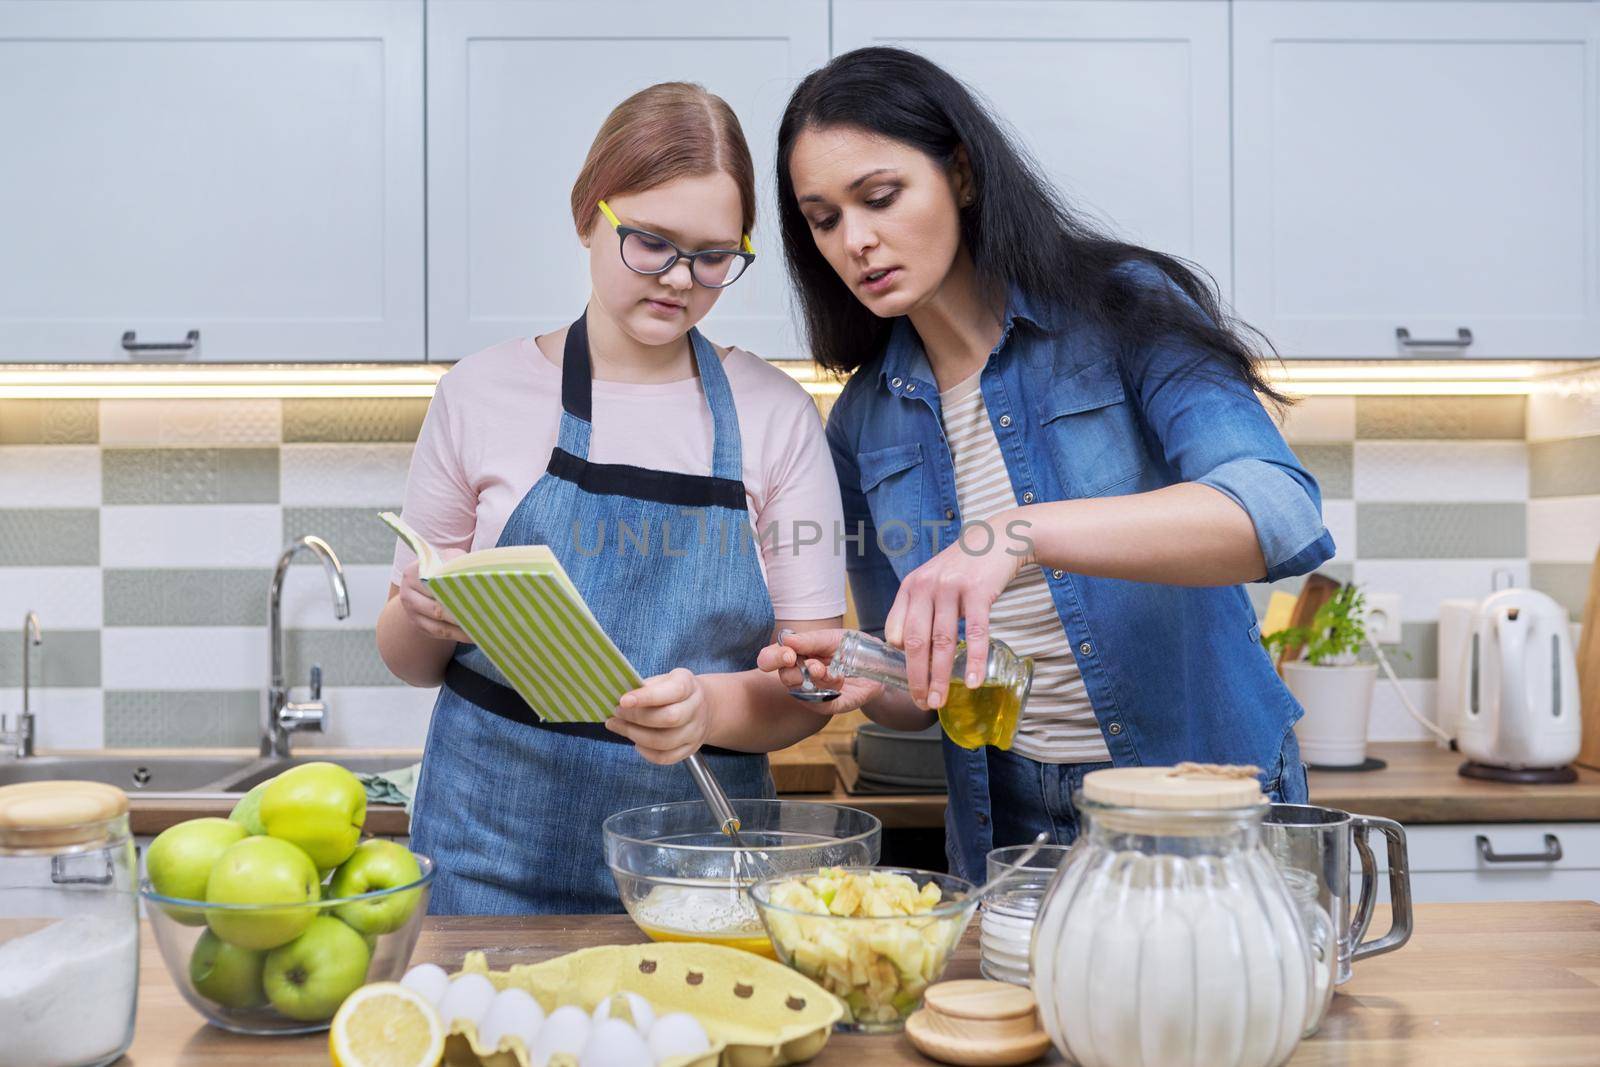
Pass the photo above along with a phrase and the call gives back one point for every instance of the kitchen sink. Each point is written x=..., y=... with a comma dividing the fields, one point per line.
x=182, y=775
x=263, y=769
x=135, y=774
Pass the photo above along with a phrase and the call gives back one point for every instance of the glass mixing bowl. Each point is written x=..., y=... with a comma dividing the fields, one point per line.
x=878, y=965
x=682, y=880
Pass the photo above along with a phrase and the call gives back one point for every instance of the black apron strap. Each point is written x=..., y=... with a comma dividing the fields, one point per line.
x=504, y=701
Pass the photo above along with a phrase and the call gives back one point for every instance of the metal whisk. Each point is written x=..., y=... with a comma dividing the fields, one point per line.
x=748, y=866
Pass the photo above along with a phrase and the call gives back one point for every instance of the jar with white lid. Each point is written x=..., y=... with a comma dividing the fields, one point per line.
x=69, y=925
x=1170, y=937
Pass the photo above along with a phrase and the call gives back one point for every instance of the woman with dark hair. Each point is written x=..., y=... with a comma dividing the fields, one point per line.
x=1050, y=437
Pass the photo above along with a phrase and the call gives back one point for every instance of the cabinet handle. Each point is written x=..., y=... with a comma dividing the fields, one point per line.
x=131, y=343
x=1551, y=854
x=1462, y=339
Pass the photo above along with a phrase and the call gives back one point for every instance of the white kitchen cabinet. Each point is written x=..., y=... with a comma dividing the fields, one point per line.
x=1430, y=167
x=1125, y=105
x=248, y=169
x=1447, y=866
x=516, y=92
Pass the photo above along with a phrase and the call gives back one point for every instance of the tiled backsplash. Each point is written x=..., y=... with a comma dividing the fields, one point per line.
x=144, y=533
x=1564, y=489
x=1426, y=497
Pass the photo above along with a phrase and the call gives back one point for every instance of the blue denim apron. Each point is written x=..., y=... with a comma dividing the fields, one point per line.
x=508, y=807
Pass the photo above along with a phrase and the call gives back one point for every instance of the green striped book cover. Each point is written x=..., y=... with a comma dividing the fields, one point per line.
x=519, y=606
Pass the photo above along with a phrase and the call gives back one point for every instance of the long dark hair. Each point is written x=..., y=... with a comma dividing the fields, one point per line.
x=1018, y=229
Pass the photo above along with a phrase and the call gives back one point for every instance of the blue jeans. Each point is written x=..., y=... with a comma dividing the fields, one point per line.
x=1027, y=796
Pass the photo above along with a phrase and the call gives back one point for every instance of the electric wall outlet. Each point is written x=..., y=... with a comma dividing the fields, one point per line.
x=1383, y=617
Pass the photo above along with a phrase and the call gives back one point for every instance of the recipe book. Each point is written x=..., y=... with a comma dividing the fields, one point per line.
x=519, y=606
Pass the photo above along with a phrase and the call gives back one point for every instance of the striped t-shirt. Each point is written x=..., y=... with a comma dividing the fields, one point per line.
x=1058, y=725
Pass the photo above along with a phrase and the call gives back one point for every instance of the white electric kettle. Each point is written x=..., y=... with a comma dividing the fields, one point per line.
x=1519, y=691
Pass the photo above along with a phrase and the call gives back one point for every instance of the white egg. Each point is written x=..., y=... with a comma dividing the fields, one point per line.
x=468, y=997
x=613, y=1043
x=566, y=1030
x=428, y=979
x=678, y=1034
x=643, y=1015
x=514, y=1011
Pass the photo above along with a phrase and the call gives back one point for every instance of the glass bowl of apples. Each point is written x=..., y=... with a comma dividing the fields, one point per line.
x=268, y=919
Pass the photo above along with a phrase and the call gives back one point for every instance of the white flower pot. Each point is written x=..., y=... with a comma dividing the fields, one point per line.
x=1338, y=703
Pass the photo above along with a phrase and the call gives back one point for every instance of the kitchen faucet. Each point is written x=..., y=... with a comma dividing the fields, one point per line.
x=21, y=736
x=280, y=716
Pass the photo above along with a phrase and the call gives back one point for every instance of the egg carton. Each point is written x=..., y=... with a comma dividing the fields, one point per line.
x=757, y=1013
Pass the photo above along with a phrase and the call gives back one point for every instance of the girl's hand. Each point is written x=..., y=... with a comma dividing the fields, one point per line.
x=667, y=718
x=817, y=648
x=962, y=582
x=425, y=612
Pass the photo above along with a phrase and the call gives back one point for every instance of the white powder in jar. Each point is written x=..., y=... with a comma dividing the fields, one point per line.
x=1203, y=974
x=67, y=992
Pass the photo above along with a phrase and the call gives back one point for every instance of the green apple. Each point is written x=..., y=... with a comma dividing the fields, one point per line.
x=262, y=870
x=180, y=859
x=226, y=973
x=309, y=977
x=373, y=866
x=247, y=812
x=318, y=806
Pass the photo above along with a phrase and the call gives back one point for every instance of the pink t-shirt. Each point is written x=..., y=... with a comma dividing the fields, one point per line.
x=495, y=417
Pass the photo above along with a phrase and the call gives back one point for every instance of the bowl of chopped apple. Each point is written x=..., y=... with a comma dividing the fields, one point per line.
x=875, y=937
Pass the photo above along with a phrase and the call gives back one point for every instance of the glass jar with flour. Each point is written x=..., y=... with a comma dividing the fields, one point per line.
x=69, y=925
x=1169, y=936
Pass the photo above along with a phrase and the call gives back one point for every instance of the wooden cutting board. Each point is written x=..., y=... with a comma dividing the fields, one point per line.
x=1317, y=591
x=804, y=767
x=1589, y=670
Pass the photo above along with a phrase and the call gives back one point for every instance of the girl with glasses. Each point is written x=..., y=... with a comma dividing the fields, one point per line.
x=669, y=475
x=1050, y=437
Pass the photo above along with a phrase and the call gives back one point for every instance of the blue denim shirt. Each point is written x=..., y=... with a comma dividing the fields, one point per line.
x=1173, y=673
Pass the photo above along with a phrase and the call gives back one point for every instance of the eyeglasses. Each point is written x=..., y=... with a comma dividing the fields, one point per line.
x=644, y=252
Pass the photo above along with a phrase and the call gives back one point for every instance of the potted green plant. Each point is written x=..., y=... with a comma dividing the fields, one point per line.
x=1330, y=680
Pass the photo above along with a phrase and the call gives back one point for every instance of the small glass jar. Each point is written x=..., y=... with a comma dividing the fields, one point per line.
x=1170, y=937
x=69, y=925
x=1007, y=914
x=971, y=718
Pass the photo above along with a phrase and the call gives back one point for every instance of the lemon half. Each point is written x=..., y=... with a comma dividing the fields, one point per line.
x=386, y=1024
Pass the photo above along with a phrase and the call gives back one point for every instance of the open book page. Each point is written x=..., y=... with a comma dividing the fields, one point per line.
x=428, y=561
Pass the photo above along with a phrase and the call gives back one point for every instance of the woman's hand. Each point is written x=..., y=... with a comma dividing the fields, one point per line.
x=667, y=718
x=962, y=582
x=817, y=648
x=425, y=612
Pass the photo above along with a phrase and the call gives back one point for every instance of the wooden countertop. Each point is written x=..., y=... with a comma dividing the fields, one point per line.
x=805, y=768
x=1420, y=785
x=1490, y=984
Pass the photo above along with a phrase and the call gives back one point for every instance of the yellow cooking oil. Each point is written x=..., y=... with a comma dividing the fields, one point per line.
x=971, y=717
x=759, y=943
x=986, y=715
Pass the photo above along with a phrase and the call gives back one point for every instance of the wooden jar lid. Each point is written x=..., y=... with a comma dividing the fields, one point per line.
x=978, y=1022
x=1186, y=787
x=979, y=998
x=36, y=815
